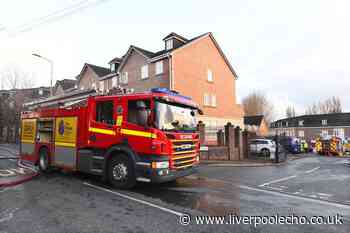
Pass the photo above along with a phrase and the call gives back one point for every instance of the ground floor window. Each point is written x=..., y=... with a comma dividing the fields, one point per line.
x=339, y=132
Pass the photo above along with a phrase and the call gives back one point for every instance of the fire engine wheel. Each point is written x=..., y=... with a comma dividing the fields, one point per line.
x=265, y=152
x=44, y=160
x=121, y=172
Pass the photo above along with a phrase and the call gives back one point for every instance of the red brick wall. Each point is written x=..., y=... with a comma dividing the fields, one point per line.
x=133, y=67
x=190, y=67
x=88, y=78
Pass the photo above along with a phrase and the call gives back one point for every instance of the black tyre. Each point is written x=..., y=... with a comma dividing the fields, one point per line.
x=121, y=172
x=44, y=162
x=265, y=152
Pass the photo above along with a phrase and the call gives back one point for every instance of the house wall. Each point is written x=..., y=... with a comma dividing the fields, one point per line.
x=87, y=79
x=59, y=90
x=133, y=67
x=190, y=66
x=310, y=133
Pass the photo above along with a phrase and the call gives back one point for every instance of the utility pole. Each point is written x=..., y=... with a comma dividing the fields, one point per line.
x=51, y=70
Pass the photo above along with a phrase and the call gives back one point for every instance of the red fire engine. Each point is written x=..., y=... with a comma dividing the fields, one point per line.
x=148, y=137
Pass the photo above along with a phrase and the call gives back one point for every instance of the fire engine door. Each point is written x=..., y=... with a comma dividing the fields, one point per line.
x=136, y=129
x=65, y=142
x=102, y=129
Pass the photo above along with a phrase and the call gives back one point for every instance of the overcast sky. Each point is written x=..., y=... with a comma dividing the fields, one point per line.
x=297, y=52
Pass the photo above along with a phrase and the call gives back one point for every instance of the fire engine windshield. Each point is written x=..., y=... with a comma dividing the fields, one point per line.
x=172, y=117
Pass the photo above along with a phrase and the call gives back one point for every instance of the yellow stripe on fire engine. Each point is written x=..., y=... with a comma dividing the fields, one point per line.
x=27, y=141
x=65, y=144
x=102, y=131
x=138, y=133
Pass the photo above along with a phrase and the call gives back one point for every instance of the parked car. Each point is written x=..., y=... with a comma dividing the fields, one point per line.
x=264, y=147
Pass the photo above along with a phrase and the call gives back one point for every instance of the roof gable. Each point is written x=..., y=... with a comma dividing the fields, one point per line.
x=145, y=53
x=98, y=70
x=198, y=38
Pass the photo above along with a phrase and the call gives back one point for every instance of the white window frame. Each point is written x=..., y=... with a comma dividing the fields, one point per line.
x=169, y=44
x=124, y=77
x=206, y=99
x=159, y=67
x=324, y=122
x=301, y=133
x=210, y=76
x=93, y=85
x=144, y=72
x=114, y=82
x=102, y=85
x=324, y=133
x=112, y=67
x=339, y=132
x=301, y=123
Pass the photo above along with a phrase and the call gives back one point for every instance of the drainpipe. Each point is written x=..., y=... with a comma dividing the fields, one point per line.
x=171, y=81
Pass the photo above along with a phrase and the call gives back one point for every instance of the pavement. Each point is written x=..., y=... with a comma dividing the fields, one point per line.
x=73, y=202
x=12, y=171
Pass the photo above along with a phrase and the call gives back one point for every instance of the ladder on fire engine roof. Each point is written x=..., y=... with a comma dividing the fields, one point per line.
x=65, y=100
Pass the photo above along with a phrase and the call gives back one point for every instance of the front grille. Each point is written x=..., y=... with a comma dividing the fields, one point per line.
x=184, y=153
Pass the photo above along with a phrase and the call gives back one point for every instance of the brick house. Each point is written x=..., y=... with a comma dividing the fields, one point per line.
x=194, y=67
x=256, y=124
x=312, y=126
x=62, y=86
x=91, y=77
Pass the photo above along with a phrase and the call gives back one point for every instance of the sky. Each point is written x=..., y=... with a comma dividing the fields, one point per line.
x=297, y=52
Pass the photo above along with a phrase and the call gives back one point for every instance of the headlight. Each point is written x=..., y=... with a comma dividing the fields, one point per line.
x=163, y=164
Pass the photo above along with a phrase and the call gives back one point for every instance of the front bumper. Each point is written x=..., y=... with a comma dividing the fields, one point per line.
x=172, y=175
x=144, y=171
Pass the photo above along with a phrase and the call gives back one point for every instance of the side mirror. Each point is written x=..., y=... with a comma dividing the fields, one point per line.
x=200, y=112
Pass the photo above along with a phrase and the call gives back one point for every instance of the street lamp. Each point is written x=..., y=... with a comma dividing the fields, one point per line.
x=51, y=66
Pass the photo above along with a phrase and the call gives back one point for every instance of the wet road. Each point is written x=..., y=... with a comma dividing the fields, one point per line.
x=64, y=202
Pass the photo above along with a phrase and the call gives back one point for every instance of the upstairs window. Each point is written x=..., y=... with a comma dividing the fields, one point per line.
x=324, y=122
x=112, y=67
x=114, y=82
x=102, y=85
x=124, y=78
x=104, y=112
x=210, y=76
x=159, y=67
x=144, y=72
x=168, y=44
x=301, y=123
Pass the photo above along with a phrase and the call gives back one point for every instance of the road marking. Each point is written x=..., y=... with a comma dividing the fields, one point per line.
x=324, y=202
x=276, y=181
x=312, y=170
x=325, y=194
x=135, y=199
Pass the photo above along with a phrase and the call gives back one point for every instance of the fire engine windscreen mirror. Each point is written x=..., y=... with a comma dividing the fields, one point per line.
x=173, y=117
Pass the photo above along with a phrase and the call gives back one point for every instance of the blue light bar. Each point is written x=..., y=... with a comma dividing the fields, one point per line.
x=168, y=92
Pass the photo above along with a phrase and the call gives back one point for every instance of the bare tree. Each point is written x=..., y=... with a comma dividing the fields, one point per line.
x=290, y=112
x=330, y=105
x=14, y=78
x=256, y=103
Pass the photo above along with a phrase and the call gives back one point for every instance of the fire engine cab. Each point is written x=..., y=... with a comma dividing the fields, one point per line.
x=148, y=137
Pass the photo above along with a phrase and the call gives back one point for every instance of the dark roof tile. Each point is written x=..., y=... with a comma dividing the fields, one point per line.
x=100, y=71
x=253, y=120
